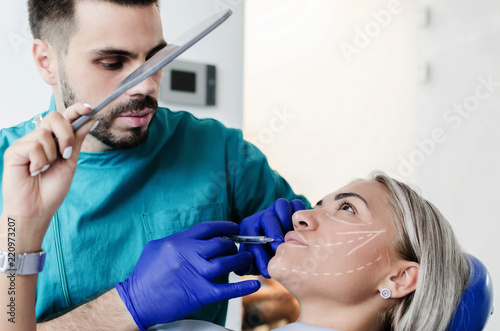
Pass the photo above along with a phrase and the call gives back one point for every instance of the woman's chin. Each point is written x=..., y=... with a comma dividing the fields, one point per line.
x=277, y=270
x=271, y=268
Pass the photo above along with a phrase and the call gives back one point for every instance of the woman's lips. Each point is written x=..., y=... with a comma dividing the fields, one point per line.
x=293, y=237
x=137, y=119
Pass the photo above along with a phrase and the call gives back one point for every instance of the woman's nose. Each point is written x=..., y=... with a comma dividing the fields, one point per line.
x=305, y=220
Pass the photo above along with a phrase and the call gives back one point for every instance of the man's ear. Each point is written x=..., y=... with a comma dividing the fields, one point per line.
x=46, y=61
x=403, y=280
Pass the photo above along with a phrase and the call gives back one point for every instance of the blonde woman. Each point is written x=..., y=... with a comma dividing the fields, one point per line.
x=373, y=255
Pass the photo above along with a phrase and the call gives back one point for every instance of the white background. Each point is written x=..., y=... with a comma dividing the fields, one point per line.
x=374, y=108
x=323, y=116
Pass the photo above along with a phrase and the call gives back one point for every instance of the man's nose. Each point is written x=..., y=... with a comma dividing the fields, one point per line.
x=305, y=220
x=148, y=86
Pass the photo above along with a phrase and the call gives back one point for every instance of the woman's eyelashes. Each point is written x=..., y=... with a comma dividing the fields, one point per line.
x=347, y=206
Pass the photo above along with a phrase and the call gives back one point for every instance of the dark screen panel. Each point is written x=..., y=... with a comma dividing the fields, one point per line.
x=184, y=81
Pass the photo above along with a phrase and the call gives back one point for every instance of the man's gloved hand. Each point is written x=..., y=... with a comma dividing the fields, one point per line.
x=174, y=275
x=273, y=222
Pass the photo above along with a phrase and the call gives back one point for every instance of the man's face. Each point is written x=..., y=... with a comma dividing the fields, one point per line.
x=112, y=41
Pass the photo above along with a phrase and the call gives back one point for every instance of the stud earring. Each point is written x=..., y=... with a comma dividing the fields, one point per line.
x=385, y=293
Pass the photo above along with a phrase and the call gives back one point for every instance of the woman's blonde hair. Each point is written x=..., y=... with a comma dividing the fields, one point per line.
x=424, y=236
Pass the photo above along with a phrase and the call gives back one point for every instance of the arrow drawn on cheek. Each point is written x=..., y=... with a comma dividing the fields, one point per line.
x=370, y=236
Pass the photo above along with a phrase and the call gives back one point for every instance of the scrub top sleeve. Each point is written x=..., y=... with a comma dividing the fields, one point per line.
x=7, y=137
x=255, y=185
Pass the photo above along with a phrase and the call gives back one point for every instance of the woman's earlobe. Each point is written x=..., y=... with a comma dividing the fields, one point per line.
x=44, y=61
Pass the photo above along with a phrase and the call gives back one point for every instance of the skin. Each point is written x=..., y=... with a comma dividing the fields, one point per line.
x=85, y=74
x=338, y=259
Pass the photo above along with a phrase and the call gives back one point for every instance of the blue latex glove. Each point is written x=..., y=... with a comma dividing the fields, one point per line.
x=273, y=222
x=174, y=275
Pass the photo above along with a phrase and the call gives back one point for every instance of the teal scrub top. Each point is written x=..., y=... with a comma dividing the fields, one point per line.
x=188, y=171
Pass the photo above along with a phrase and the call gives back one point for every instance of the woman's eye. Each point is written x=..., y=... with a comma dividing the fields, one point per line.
x=347, y=207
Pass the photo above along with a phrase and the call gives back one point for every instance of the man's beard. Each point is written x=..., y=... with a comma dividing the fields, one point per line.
x=119, y=140
x=133, y=136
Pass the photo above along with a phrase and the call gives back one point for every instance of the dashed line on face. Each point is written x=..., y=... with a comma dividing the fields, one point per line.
x=337, y=273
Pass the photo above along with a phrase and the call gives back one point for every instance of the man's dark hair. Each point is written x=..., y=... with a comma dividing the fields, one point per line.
x=54, y=20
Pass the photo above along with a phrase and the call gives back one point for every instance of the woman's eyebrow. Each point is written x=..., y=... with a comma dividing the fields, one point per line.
x=350, y=194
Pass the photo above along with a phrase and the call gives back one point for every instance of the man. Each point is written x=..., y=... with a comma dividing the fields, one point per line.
x=144, y=172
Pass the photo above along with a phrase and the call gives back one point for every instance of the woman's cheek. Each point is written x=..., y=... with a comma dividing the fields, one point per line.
x=352, y=253
x=348, y=253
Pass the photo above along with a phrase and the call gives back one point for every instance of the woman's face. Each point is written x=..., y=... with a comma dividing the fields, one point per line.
x=339, y=249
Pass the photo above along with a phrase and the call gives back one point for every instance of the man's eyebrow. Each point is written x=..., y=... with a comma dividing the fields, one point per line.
x=156, y=49
x=121, y=52
x=111, y=51
x=350, y=194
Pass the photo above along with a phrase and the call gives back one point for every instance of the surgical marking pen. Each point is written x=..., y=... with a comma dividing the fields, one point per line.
x=260, y=240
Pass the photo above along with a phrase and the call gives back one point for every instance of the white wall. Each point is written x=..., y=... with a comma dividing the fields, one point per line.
x=324, y=116
x=347, y=111
x=24, y=93
x=461, y=46
x=222, y=48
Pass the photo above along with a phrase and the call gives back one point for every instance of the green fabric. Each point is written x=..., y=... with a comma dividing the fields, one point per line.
x=188, y=171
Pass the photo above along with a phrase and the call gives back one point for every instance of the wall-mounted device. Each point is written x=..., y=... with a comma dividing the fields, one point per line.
x=189, y=83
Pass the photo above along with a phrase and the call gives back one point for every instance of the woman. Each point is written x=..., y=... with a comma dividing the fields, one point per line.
x=373, y=255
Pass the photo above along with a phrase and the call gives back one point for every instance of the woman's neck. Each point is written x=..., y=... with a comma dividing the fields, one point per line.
x=364, y=317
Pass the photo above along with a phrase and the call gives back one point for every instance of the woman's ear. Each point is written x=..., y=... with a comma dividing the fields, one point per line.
x=46, y=61
x=403, y=280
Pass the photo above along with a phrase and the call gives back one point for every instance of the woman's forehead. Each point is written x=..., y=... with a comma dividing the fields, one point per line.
x=370, y=191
